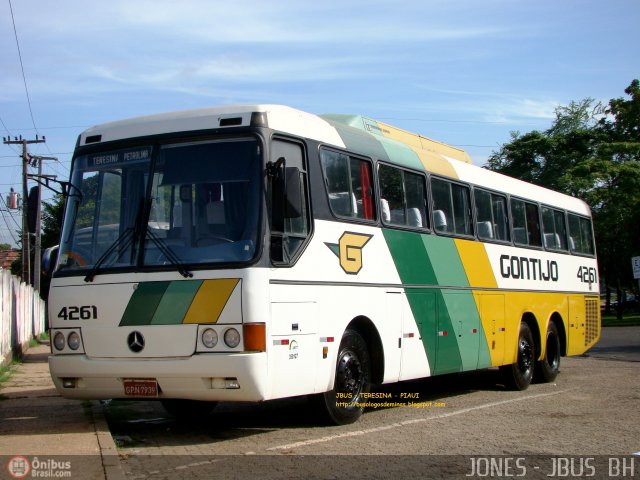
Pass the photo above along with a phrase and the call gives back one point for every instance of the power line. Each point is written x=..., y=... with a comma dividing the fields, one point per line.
x=24, y=78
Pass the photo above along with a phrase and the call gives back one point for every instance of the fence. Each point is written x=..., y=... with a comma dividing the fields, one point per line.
x=22, y=315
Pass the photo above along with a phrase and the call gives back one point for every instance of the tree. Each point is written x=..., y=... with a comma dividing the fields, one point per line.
x=52, y=214
x=5, y=246
x=591, y=152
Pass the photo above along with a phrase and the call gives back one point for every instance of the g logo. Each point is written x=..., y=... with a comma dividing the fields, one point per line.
x=349, y=251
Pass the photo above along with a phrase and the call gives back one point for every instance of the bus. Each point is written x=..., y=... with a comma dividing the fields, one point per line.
x=249, y=253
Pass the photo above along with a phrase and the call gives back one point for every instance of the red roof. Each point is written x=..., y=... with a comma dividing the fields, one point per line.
x=7, y=257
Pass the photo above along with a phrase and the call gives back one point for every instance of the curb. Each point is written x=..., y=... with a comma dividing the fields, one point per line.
x=108, y=452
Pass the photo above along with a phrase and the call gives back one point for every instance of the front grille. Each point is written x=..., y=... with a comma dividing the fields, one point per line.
x=591, y=314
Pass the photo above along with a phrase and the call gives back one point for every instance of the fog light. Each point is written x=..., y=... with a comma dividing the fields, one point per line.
x=73, y=341
x=209, y=338
x=69, y=382
x=58, y=341
x=232, y=338
x=231, y=383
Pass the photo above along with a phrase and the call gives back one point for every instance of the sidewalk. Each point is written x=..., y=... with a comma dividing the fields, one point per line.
x=37, y=422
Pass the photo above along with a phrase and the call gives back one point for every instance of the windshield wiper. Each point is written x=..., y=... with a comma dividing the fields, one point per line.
x=171, y=256
x=128, y=237
x=124, y=240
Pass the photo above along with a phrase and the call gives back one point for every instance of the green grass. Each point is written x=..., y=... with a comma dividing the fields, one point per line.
x=7, y=370
x=628, y=320
x=42, y=338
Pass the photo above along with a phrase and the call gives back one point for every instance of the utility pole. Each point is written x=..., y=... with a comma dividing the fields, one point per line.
x=26, y=250
x=37, y=255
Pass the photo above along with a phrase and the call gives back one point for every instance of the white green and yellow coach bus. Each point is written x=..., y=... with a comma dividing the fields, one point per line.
x=256, y=252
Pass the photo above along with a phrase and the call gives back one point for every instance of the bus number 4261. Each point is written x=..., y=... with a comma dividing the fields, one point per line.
x=587, y=275
x=84, y=312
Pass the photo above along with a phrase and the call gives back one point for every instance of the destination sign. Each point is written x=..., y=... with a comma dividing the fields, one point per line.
x=139, y=154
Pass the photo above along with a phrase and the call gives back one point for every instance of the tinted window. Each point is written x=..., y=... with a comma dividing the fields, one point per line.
x=402, y=197
x=580, y=235
x=526, y=224
x=349, y=185
x=451, y=207
x=554, y=229
x=491, y=215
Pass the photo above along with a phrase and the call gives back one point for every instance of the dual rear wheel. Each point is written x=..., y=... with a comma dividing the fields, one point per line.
x=518, y=376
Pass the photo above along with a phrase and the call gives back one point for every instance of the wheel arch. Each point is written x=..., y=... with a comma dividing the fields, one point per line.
x=531, y=321
x=556, y=318
x=369, y=333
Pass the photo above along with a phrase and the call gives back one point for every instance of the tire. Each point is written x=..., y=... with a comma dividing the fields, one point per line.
x=548, y=368
x=352, y=380
x=188, y=409
x=518, y=376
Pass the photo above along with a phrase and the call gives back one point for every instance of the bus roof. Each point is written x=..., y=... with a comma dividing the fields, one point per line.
x=356, y=133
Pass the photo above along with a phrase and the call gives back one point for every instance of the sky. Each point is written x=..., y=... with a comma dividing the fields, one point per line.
x=463, y=72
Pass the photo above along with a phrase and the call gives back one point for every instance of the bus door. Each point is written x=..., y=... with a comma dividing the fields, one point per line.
x=413, y=358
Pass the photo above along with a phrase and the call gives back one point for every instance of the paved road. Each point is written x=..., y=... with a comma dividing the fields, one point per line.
x=590, y=410
x=618, y=343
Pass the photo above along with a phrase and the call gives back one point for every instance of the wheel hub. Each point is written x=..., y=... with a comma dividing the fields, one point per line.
x=349, y=375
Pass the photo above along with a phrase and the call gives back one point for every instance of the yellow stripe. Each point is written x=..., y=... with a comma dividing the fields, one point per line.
x=418, y=142
x=476, y=264
x=210, y=300
x=434, y=163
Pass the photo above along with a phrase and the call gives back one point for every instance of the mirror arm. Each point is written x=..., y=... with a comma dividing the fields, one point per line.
x=274, y=167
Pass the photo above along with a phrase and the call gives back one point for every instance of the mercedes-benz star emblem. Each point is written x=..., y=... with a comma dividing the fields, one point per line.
x=135, y=340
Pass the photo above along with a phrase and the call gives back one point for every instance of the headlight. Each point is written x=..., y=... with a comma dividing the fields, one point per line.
x=58, y=341
x=232, y=338
x=74, y=341
x=210, y=338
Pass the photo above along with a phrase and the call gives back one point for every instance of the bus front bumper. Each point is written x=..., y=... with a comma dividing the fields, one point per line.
x=209, y=377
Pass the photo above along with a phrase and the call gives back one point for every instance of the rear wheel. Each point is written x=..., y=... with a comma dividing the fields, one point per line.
x=188, y=409
x=518, y=376
x=547, y=369
x=343, y=404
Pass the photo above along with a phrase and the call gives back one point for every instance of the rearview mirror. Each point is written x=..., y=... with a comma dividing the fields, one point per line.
x=49, y=260
x=293, y=193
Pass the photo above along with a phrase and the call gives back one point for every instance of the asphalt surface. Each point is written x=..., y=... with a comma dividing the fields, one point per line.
x=618, y=343
x=591, y=410
x=455, y=426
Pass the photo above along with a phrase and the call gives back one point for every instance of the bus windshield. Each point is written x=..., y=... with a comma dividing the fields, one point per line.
x=196, y=203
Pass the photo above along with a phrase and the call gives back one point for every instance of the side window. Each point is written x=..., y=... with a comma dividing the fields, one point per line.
x=580, y=235
x=349, y=185
x=554, y=230
x=526, y=223
x=402, y=197
x=451, y=207
x=491, y=214
x=295, y=225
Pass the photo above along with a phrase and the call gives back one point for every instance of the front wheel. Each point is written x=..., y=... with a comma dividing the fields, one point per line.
x=344, y=403
x=518, y=376
x=548, y=368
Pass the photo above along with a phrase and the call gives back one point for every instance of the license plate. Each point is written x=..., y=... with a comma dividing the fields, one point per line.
x=140, y=387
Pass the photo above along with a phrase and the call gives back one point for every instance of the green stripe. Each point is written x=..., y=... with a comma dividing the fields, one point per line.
x=410, y=257
x=143, y=303
x=402, y=154
x=431, y=260
x=176, y=302
x=445, y=261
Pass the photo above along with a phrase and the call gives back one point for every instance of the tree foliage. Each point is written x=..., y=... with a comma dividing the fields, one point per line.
x=591, y=151
x=52, y=213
